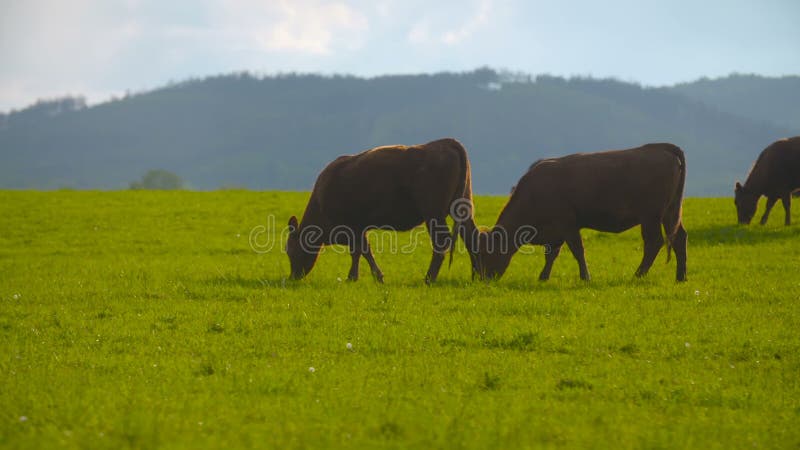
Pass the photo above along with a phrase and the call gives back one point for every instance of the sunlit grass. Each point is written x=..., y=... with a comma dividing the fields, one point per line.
x=140, y=319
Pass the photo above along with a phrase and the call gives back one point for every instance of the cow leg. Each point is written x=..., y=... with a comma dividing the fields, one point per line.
x=653, y=240
x=770, y=203
x=366, y=250
x=787, y=206
x=575, y=244
x=355, y=254
x=550, y=254
x=440, y=238
x=679, y=245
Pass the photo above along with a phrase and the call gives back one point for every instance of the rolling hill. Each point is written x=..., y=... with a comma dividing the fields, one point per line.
x=277, y=132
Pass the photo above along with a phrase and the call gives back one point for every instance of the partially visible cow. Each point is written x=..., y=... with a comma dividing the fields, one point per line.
x=608, y=191
x=394, y=187
x=775, y=175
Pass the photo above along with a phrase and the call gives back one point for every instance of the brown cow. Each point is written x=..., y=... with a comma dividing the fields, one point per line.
x=608, y=191
x=394, y=187
x=775, y=174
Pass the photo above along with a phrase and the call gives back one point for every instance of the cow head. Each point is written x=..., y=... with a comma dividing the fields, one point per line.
x=746, y=203
x=302, y=255
x=494, y=254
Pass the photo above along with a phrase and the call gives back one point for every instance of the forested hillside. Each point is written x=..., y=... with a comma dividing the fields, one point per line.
x=277, y=132
x=771, y=100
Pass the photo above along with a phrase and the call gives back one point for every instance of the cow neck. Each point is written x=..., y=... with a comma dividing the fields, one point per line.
x=510, y=227
x=313, y=216
x=511, y=220
x=757, y=178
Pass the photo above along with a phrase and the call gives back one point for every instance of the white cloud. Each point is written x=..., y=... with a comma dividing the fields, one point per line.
x=420, y=32
x=56, y=35
x=300, y=26
x=473, y=24
x=52, y=48
x=384, y=8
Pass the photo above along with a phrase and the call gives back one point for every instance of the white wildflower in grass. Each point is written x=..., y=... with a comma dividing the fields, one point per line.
x=312, y=369
x=349, y=346
x=696, y=292
x=339, y=279
x=16, y=296
x=687, y=344
x=23, y=418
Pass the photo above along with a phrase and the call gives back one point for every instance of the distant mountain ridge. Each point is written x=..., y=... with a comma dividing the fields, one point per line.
x=278, y=132
x=771, y=100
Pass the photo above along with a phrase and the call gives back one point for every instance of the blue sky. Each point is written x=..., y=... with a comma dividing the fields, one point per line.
x=99, y=48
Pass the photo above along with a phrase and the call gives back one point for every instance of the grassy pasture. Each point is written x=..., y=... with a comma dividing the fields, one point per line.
x=145, y=320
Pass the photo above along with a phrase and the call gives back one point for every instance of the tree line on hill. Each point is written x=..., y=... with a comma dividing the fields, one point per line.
x=278, y=132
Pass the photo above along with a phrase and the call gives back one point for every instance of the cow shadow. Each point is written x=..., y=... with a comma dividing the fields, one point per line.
x=439, y=283
x=469, y=288
x=530, y=285
x=570, y=285
x=712, y=235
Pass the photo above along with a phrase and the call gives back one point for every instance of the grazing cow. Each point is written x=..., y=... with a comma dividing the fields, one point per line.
x=608, y=191
x=394, y=187
x=775, y=174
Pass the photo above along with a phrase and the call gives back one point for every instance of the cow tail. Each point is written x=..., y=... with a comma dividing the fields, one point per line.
x=674, y=211
x=461, y=204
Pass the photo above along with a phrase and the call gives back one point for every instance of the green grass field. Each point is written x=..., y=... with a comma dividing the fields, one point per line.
x=145, y=319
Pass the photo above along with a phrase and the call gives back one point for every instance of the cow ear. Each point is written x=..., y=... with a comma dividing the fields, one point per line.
x=292, y=224
x=738, y=187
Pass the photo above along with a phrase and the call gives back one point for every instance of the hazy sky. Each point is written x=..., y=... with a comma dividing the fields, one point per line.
x=98, y=48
